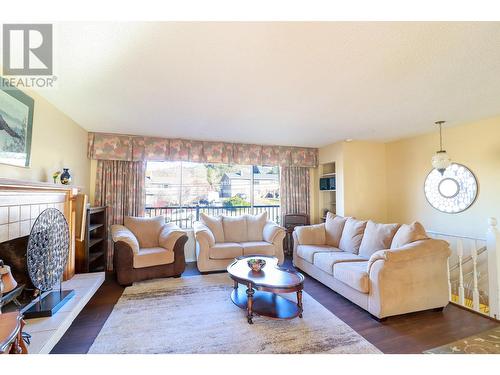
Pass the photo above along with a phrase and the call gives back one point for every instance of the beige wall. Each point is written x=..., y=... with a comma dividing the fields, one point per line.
x=477, y=146
x=360, y=177
x=57, y=142
x=365, y=180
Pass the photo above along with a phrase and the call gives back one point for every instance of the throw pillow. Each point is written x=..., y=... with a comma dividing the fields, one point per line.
x=352, y=235
x=334, y=225
x=255, y=226
x=408, y=233
x=146, y=229
x=214, y=223
x=235, y=228
x=377, y=237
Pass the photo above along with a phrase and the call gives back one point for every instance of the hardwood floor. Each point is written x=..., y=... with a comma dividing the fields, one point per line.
x=87, y=325
x=411, y=333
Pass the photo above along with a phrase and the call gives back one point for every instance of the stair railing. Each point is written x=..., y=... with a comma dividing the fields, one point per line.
x=469, y=288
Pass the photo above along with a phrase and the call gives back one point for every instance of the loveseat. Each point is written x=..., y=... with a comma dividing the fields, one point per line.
x=220, y=239
x=387, y=269
x=147, y=248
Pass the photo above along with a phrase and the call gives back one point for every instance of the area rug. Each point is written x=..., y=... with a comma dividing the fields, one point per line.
x=195, y=315
x=487, y=342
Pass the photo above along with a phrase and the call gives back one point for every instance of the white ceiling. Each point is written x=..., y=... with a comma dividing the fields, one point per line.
x=305, y=84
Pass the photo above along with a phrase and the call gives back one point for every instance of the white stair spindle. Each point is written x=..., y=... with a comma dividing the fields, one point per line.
x=493, y=246
x=475, y=290
x=461, y=290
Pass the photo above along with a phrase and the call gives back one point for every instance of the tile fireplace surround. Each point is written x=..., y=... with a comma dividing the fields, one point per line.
x=20, y=204
x=22, y=201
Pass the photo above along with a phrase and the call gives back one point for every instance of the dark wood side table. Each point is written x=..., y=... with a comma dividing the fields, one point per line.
x=291, y=221
x=11, y=328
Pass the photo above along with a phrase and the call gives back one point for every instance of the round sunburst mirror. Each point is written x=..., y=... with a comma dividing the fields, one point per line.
x=453, y=191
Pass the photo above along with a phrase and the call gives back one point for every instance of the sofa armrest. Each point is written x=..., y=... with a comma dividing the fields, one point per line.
x=169, y=235
x=272, y=231
x=123, y=234
x=310, y=234
x=203, y=234
x=407, y=279
x=412, y=251
x=123, y=262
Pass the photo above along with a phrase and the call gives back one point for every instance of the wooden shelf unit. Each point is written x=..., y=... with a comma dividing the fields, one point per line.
x=91, y=253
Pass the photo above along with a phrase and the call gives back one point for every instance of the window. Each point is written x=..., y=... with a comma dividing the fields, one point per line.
x=181, y=190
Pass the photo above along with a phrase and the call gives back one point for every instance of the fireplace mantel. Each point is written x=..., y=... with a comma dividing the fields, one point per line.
x=22, y=201
x=9, y=183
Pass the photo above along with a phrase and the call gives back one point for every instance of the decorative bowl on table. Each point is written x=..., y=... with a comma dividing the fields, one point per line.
x=256, y=264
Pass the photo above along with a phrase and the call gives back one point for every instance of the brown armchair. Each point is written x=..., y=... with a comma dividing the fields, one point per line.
x=147, y=248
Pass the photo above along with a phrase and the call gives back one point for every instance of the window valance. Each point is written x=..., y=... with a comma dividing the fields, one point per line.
x=135, y=148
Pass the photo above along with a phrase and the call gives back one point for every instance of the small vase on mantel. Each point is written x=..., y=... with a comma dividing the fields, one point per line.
x=65, y=177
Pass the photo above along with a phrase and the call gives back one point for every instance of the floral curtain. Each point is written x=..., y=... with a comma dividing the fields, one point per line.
x=120, y=187
x=134, y=148
x=295, y=191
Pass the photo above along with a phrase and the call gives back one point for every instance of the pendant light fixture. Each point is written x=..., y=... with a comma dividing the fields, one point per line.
x=441, y=160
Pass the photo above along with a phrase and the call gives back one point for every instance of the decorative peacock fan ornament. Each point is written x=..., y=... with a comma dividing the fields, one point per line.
x=47, y=255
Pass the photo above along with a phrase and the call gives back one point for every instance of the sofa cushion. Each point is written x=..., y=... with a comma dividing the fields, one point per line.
x=145, y=229
x=353, y=274
x=327, y=261
x=352, y=235
x=225, y=250
x=377, y=237
x=311, y=234
x=235, y=228
x=408, y=233
x=214, y=223
x=257, y=247
x=255, y=226
x=153, y=256
x=307, y=252
x=333, y=228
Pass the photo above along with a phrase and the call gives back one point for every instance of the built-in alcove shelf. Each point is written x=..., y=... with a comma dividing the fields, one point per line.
x=327, y=197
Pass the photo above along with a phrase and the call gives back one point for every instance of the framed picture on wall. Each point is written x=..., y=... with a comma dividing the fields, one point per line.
x=16, y=125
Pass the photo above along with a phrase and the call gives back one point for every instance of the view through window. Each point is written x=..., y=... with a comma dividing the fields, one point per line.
x=181, y=190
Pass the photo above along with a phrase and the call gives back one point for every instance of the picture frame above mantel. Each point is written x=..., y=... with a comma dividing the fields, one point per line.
x=16, y=127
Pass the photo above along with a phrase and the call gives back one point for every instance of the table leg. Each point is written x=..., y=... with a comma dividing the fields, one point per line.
x=250, y=293
x=235, y=284
x=299, y=302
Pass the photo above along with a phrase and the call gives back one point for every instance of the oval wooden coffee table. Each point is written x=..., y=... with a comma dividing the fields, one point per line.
x=261, y=293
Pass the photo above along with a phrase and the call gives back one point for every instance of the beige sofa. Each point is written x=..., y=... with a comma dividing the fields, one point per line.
x=387, y=269
x=221, y=239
